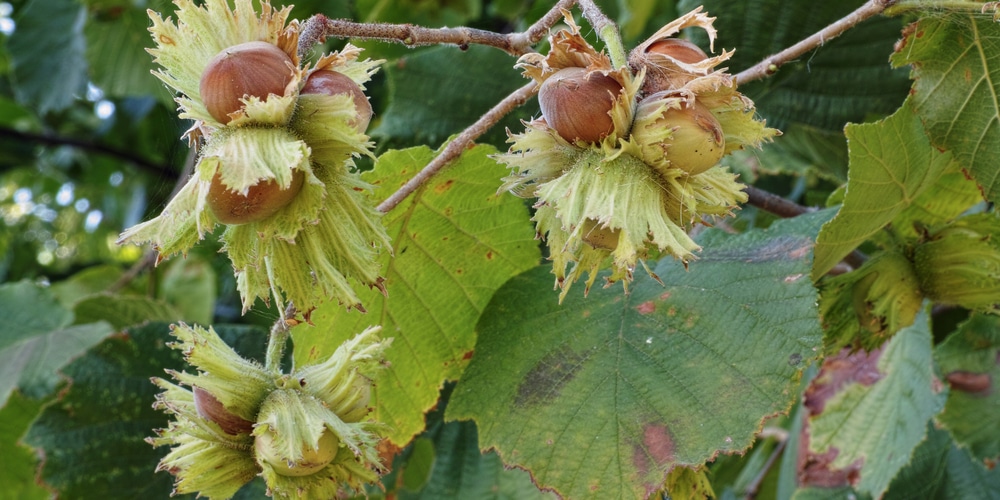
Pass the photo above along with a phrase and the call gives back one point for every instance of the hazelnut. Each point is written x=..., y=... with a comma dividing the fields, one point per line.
x=678, y=49
x=255, y=69
x=599, y=236
x=577, y=104
x=261, y=201
x=328, y=82
x=311, y=461
x=209, y=408
x=697, y=142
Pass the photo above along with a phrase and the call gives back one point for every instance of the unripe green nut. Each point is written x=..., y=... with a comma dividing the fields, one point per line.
x=311, y=461
x=697, y=141
x=577, y=103
x=599, y=236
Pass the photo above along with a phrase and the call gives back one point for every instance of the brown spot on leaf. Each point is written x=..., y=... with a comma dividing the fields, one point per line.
x=646, y=307
x=838, y=371
x=656, y=451
x=971, y=382
x=489, y=255
x=468, y=355
x=545, y=381
x=444, y=186
x=664, y=295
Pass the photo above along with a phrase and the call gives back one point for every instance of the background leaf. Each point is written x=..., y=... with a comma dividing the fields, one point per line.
x=891, y=164
x=93, y=437
x=18, y=472
x=36, y=339
x=47, y=54
x=601, y=396
x=117, y=39
x=444, y=462
x=881, y=423
x=456, y=241
x=956, y=71
x=973, y=350
x=123, y=311
x=827, y=87
x=426, y=108
x=940, y=470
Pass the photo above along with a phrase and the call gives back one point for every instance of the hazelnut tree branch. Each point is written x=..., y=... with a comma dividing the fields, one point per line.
x=318, y=27
x=770, y=65
x=455, y=148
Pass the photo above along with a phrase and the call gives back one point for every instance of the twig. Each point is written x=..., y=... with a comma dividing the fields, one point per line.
x=57, y=140
x=318, y=27
x=608, y=31
x=775, y=204
x=277, y=340
x=459, y=144
x=770, y=65
x=751, y=490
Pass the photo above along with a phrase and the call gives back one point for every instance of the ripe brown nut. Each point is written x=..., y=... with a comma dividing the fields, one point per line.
x=577, y=103
x=679, y=49
x=311, y=462
x=209, y=408
x=255, y=69
x=328, y=82
x=698, y=141
x=261, y=201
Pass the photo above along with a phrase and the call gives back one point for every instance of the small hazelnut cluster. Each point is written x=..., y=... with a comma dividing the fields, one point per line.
x=306, y=432
x=277, y=140
x=623, y=161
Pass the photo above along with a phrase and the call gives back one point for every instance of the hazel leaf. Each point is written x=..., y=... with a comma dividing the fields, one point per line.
x=625, y=387
x=881, y=423
x=956, y=72
x=455, y=242
x=941, y=469
x=891, y=164
x=968, y=362
x=18, y=473
x=37, y=338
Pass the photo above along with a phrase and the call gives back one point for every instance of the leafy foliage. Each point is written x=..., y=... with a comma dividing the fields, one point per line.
x=668, y=375
x=491, y=388
x=459, y=240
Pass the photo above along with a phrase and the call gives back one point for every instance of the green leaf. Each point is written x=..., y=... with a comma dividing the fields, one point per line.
x=940, y=470
x=93, y=436
x=956, y=68
x=438, y=92
x=969, y=357
x=117, y=40
x=946, y=199
x=801, y=150
x=189, y=285
x=47, y=54
x=85, y=283
x=456, y=241
x=601, y=396
x=19, y=462
x=123, y=311
x=36, y=339
x=891, y=164
x=844, y=80
x=881, y=423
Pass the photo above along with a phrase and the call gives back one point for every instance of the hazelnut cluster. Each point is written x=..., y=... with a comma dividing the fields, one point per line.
x=306, y=433
x=277, y=140
x=623, y=161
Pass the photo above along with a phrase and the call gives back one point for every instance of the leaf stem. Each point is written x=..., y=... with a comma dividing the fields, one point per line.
x=461, y=142
x=770, y=65
x=607, y=30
